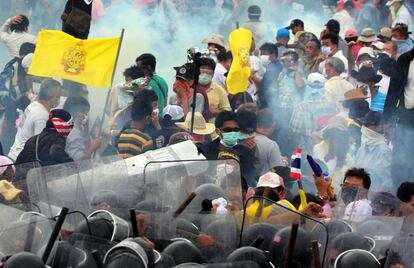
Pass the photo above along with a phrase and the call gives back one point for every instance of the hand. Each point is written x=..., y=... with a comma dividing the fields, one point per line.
x=204, y=240
x=15, y=19
x=321, y=58
x=351, y=44
x=155, y=121
x=96, y=143
x=321, y=184
x=250, y=143
x=313, y=210
x=214, y=110
x=363, y=89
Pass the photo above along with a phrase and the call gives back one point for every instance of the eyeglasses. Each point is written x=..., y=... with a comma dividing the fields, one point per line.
x=228, y=129
x=206, y=71
x=343, y=185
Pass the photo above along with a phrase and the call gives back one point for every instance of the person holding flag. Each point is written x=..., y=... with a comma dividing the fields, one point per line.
x=296, y=173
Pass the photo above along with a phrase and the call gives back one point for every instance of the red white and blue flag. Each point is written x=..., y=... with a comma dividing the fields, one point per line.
x=295, y=172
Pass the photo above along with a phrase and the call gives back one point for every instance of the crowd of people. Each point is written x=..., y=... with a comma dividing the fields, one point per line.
x=344, y=95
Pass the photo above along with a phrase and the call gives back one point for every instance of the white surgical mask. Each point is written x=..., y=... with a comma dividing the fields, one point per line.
x=205, y=79
x=265, y=60
x=325, y=50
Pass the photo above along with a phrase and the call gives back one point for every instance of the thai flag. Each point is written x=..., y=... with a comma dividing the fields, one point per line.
x=295, y=172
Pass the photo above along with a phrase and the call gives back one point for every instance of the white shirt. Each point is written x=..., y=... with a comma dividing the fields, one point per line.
x=219, y=76
x=33, y=122
x=13, y=40
x=409, y=88
x=402, y=16
x=338, y=55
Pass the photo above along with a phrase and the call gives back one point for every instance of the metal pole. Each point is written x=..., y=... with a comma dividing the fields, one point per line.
x=55, y=233
x=195, y=85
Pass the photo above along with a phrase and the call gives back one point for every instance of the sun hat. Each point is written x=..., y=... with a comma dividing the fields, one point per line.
x=200, y=125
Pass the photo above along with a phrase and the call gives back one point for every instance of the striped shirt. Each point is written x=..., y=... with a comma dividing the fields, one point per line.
x=132, y=142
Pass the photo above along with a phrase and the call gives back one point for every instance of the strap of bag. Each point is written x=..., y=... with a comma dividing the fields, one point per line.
x=37, y=149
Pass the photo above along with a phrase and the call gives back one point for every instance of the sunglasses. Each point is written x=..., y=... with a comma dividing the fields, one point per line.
x=228, y=129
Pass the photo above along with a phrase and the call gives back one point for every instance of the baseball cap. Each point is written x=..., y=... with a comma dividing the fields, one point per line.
x=333, y=26
x=254, y=10
x=367, y=35
x=283, y=33
x=270, y=179
x=351, y=32
x=174, y=111
x=391, y=2
x=316, y=80
x=295, y=22
x=184, y=72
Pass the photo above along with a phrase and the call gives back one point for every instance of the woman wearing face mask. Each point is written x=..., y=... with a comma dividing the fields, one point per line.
x=78, y=144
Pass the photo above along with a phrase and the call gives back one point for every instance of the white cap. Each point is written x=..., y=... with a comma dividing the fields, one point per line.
x=316, y=79
x=270, y=179
x=175, y=111
x=391, y=2
x=366, y=50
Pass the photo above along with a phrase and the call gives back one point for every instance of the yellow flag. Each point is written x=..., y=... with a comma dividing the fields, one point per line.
x=59, y=55
x=238, y=77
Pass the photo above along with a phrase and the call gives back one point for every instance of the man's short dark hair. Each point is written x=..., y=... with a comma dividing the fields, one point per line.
x=361, y=174
x=405, y=191
x=317, y=42
x=294, y=54
x=141, y=108
x=134, y=72
x=26, y=48
x=269, y=47
x=20, y=26
x=76, y=105
x=147, y=95
x=333, y=37
x=224, y=56
x=225, y=116
x=247, y=120
x=148, y=59
x=265, y=118
x=208, y=62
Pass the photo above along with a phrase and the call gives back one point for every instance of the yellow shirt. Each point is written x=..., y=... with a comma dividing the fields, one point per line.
x=217, y=97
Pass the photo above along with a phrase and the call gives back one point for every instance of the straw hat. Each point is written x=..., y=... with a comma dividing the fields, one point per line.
x=200, y=125
x=8, y=191
x=367, y=35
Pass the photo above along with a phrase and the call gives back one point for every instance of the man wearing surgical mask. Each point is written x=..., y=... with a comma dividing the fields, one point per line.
x=330, y=49
x=228, y=130
x=269, y=84
x=217, y=96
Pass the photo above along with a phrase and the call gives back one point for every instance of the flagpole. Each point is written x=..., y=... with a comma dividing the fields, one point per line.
x=112, y=82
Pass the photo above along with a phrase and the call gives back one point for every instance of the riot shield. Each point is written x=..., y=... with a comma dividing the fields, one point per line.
x=198, y=201
x=373, y=218
x=270, y=226
x=14, y=185
x=23, y=231
x=400, y=253
x=86, y=186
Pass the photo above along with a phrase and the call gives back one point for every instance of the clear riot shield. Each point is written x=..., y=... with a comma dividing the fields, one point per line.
x=373, y=218
x=13, y=185
x=23, y=231
x=268, y=225
x=196, y=201
x=86, y=186
x=400, y=253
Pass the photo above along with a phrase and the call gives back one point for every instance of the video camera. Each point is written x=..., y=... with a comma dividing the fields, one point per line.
x=196, y=53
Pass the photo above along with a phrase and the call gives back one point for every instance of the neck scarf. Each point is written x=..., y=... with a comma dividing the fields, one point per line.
x=370, y=137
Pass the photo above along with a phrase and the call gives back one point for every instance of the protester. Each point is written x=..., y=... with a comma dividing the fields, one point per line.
x=76, y=18
x=351, y=38
x=333, y=26
x=217, y=97
x=344, y=17
x=406, y=192
x=14, y=33
x=398, y=12
x=148, y=63
x=400, y=36
x=335, y=86
x=385, y=34
x=267, y=152
x=132, y=140
x=258, y=28
x=172, y=114
x=78, y=144
x=215, y=43
x=282, y=40
x=391, y=49
x=374, y=155
x=269, y=84
x=312, y=54
x=36, y=115
x=330, y=49
x=301, y=37
x=48, y=147
x=222, y=68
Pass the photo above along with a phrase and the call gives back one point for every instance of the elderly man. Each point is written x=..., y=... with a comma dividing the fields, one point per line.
x=336, y=86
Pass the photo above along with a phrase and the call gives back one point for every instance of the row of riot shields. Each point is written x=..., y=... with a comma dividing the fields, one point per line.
x=199, y=206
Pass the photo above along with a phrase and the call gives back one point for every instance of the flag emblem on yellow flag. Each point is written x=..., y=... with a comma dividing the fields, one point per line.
x=59, y=55
x=238, y=77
